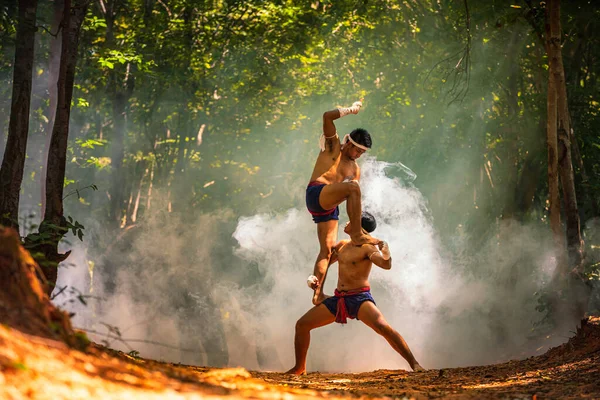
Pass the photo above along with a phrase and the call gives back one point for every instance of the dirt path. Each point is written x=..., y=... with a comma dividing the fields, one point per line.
x=31, y=367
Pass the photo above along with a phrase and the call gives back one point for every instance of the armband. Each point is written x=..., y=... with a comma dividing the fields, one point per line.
x=354, y=109
x=322, y=140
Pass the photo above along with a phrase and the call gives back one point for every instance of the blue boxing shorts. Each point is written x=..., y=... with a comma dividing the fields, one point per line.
x=313, y=191
x=345, y=304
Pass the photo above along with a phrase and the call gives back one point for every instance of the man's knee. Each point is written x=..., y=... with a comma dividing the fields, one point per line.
x=325, y=252
x=382, y=327
x=353, y=188
x=302, y=326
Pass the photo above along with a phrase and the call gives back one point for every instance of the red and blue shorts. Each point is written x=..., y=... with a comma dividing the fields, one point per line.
x=313, y=192
x=346, y=304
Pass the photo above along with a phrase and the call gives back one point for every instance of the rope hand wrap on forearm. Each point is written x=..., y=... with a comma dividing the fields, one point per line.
x=354, y=109
x=385, y=252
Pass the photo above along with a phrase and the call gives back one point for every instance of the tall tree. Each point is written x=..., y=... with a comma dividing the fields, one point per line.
x=552, y=140
x=565, y=142
x=53, y=69
x=54, y=224
x=13, y=163
x=558, y=121
x=119, y=88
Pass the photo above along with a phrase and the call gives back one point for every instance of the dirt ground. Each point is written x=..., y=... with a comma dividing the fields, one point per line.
x=35, y=368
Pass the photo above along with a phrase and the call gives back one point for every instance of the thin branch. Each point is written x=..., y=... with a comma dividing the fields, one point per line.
x=462, y=93
x=126, y=341
x=48, y=30
x=438, y=64
x=58, y=293
x=460, y=72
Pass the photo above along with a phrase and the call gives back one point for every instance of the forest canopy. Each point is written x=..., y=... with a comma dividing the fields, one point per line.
x=185, y=111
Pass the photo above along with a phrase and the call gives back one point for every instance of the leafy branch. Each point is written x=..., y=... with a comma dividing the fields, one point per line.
x=78, y=191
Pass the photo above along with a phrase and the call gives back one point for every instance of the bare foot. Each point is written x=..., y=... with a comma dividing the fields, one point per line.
x=364, y=239
x=417, y=368
x=296, y=371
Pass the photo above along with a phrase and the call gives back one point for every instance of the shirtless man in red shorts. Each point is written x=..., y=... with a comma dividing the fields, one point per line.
x=333, y=181
x=352, y=297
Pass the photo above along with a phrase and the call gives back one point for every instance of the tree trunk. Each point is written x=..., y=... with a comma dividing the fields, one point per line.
x=13, y=163
x=117, y=156
x=572, y=294
x=53, y=71
x=120, y=88
x=136, y=206
x=552, y=141
x=574, y=240
x=531, y=172
x=509, y=209
x=54, y=224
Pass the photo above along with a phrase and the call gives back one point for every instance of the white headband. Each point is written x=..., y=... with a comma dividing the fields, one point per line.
x=360, y=146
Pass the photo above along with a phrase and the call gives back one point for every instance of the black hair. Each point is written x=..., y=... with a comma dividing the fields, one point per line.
x=361, y=136
x=368, y=222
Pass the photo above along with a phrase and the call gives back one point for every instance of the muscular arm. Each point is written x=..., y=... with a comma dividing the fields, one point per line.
x=376, y=258
x=332, y=141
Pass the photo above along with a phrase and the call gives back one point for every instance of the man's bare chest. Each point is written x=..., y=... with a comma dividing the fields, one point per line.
x=350, y=254
x=346, y=169
x=348, y=166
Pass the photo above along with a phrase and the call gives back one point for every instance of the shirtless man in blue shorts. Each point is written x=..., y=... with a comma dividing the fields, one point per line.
x=333, y=181
x=352, y=297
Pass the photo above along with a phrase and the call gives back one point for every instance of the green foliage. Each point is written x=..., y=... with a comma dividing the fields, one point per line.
x=75, y=227
x=8, y=17
x=93, y=23
x=223, y=103
x=134, y=354
x=217, y=86
x=82, y=341
x=55, y=327
x=90, y=143
x=18, y=365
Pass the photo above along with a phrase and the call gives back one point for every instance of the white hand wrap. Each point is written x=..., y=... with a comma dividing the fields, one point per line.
x=385, y=251
x=354, y=109
x=311, y=280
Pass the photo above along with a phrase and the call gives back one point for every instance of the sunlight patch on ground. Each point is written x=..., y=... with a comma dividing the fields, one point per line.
x=507, y=383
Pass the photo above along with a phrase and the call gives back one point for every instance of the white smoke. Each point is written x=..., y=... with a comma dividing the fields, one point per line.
x=171, y=288
x=443, y=311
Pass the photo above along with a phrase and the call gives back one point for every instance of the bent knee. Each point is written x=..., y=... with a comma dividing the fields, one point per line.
x=302, y=326
x=325, y=252
x=353, y=187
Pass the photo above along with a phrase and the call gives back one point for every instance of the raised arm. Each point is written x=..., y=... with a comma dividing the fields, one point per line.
x=330, y=140
x=382, y=259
